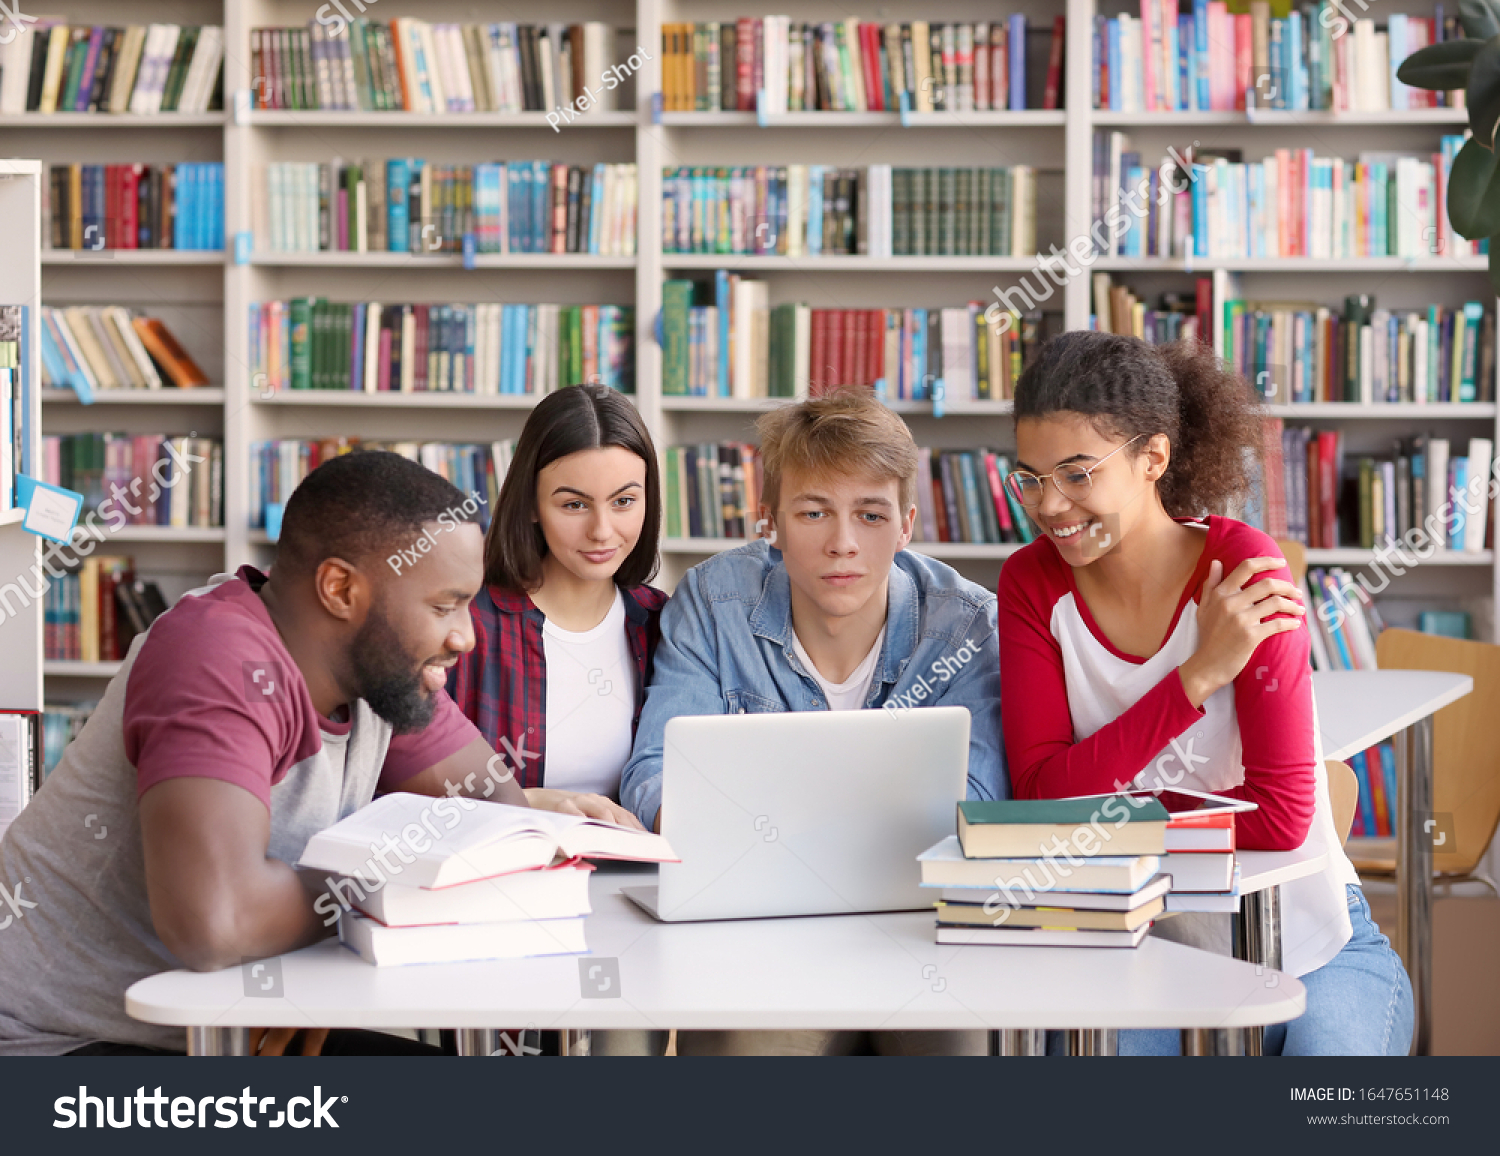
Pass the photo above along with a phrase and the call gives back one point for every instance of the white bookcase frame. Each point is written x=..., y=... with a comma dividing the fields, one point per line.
x=1059, y=144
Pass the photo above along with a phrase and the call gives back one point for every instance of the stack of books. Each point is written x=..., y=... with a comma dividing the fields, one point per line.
x=1176, y=317
x=415, y=66
x=15, y=400
x=134, y=206
x=1303, y=351
x=48, y=66
x=94, y=613
x=466, y=880
x=166, y=480
x=278, y=466
x=409, y=205
x=88, y=348
x=731, y=342
x=1375, y=771
x=20, y=764
x=61, y=723
x=852, y=66
x=1201, y=862
x=1050, y=872
x=877, y=211
x=488, y=348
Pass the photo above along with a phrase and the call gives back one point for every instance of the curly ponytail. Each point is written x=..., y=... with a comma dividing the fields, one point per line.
x=1209, y=414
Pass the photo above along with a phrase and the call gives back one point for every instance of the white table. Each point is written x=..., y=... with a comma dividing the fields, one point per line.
x=1357, y=709
x=836, y=972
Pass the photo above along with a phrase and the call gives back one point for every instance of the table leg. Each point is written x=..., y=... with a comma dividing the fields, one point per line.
x=1019, y=1042
x=1257, y=939
x=478, y=1041
x=1093, y=1042
x=1215, y=1041
x=576, y=1042
x=218, y=1041
x=1414, y=871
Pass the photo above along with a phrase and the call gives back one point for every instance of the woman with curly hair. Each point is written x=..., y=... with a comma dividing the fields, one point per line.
x=1148, y=641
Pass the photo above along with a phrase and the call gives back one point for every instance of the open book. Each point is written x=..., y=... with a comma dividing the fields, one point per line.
x=421, y=841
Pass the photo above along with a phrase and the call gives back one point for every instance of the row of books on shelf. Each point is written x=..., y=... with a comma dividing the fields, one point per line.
x=504, y=882
x=134, y=206
x=486, y=348
x=1034, y=873
x=408, y=205
x=1175, y=316
x=1315, y=493
x=147, y=479
x=1316, y=57
x=713, y=491
x=88, y=348
x=61, y=723
x=1375, y=772
x=410, y=65
x=738, y=345
x=20, y=764
x=1212, y=203
x=877, y=211
x=48, y=66
x=853, y=66
x=93, y=614
x=1299, y=351
x=15, y=400
x=278, y=466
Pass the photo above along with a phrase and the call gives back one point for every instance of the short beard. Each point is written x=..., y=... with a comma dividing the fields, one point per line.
x=384, y=678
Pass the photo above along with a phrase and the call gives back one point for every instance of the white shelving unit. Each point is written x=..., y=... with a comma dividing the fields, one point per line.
x=20, y=550
x=205, y=298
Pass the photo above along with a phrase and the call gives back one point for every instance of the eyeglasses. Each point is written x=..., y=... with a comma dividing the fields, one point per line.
x=1073, y=482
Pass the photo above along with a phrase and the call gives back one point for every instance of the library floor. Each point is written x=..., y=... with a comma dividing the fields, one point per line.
x=1465, y=946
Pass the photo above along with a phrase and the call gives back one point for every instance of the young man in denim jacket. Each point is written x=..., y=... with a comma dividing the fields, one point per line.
x=828, y=612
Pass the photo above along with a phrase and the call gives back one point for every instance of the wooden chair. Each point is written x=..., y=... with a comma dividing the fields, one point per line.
x=1343, y=795
x=1465, y=753
x=1295, y=554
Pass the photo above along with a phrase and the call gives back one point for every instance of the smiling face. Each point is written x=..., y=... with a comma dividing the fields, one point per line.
x=838, y=537
x=1122, y=491
x=417, y=627
x=591, y=506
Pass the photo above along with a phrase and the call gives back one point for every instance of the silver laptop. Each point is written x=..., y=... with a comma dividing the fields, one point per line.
x=805, y=813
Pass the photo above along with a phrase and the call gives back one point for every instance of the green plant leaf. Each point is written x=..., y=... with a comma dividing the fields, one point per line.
x=1484, y=92
x=1480, y=18
x=1495, y=265
x=1474, y=192
x=1440, y=67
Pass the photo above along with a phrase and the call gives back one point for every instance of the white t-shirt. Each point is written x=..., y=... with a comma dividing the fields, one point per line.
x=852, y=692
x=591, y=697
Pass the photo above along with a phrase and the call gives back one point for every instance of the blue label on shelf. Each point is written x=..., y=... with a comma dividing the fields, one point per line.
x=656, y=108
x=244, y=242
x=273, y=520
x=939, y=395
x=657, y=332
x=471, y=247
x=880, y=388
x=760, y=107
x=905, y=109
x=51, y=511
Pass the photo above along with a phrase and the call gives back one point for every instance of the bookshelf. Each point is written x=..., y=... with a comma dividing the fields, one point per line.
x=20, y=550
x=205, y=297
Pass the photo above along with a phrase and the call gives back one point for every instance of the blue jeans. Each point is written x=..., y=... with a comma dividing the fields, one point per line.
x=1359, y=1003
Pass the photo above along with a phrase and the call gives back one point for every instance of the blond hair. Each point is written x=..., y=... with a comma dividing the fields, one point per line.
x=847, y=431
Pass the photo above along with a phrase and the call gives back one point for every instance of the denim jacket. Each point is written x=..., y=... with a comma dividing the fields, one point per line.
x=726, y=648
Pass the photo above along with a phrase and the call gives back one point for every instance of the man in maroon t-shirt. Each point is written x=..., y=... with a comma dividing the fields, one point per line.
x=256, y=712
